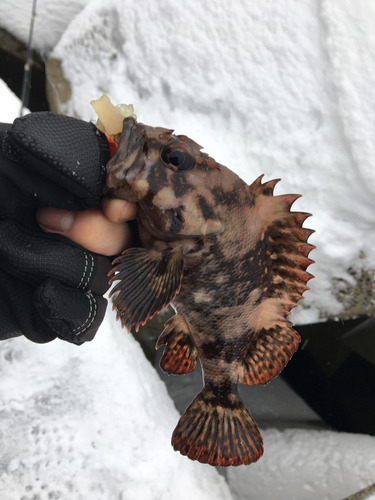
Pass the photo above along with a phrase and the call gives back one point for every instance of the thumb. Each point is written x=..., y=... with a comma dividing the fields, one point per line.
x=90, y=228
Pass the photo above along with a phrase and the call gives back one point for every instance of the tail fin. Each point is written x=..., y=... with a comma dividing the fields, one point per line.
x=216, y=434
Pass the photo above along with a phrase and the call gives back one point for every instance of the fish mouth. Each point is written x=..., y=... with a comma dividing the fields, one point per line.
x=127, y=162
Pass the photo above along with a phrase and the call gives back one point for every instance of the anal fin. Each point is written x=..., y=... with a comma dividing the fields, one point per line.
x=268, y=355
x=180, y=354
x=149, y=281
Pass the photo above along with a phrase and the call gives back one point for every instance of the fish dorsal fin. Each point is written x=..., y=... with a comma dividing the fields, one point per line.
x=180, y=355
x=149, y=281
x=287, y=252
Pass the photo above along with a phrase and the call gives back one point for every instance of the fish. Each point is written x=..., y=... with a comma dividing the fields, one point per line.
x=230, y=258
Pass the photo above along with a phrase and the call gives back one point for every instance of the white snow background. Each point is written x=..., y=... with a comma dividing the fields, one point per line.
x=282, y=88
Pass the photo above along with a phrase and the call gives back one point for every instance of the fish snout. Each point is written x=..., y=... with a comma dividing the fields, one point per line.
x=128, y=161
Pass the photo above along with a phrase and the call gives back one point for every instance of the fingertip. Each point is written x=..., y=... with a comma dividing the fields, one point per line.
x=119, y=210
x=55, y=220
x=94, y=231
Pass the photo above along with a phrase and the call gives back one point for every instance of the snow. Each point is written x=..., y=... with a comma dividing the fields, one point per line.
x=327, y=467
x=352, y=62
x=91, y=423
x=10, y=104
x=51, y=20
x=258, y=88
x=285, y=89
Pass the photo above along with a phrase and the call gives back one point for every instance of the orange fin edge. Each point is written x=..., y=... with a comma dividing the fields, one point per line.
x=218, y=435
x=268, y=355
x=180, y=355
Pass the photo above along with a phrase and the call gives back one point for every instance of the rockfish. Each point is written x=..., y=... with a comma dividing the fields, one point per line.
x=230, y=258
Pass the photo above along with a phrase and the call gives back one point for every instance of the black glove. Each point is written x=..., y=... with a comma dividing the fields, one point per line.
x=49, y=286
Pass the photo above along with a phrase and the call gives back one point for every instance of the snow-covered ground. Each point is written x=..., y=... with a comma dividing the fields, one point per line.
x=91, y=423
x=283, y=88
x=287, y=90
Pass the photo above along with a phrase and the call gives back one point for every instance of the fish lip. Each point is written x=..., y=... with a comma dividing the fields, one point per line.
x=132, y=166
x=122, y=145
x=124, y=165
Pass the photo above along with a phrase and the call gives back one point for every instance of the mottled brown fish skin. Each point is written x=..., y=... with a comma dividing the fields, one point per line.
x=231, y=258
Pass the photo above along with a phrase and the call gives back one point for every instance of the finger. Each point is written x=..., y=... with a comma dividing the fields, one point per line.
x=90, y=229
x=74, y=315
x=35, y=258
x=119, y=210
x=18, y=315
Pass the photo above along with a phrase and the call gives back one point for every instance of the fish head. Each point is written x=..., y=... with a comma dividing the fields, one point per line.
x=170, y=178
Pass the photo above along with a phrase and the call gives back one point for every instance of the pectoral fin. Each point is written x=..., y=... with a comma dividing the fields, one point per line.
x=149, y=281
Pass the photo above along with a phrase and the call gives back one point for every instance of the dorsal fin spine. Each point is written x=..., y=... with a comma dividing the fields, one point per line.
x=287, y=254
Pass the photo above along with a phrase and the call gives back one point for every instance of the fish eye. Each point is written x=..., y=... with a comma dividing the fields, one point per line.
x=177, y=157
